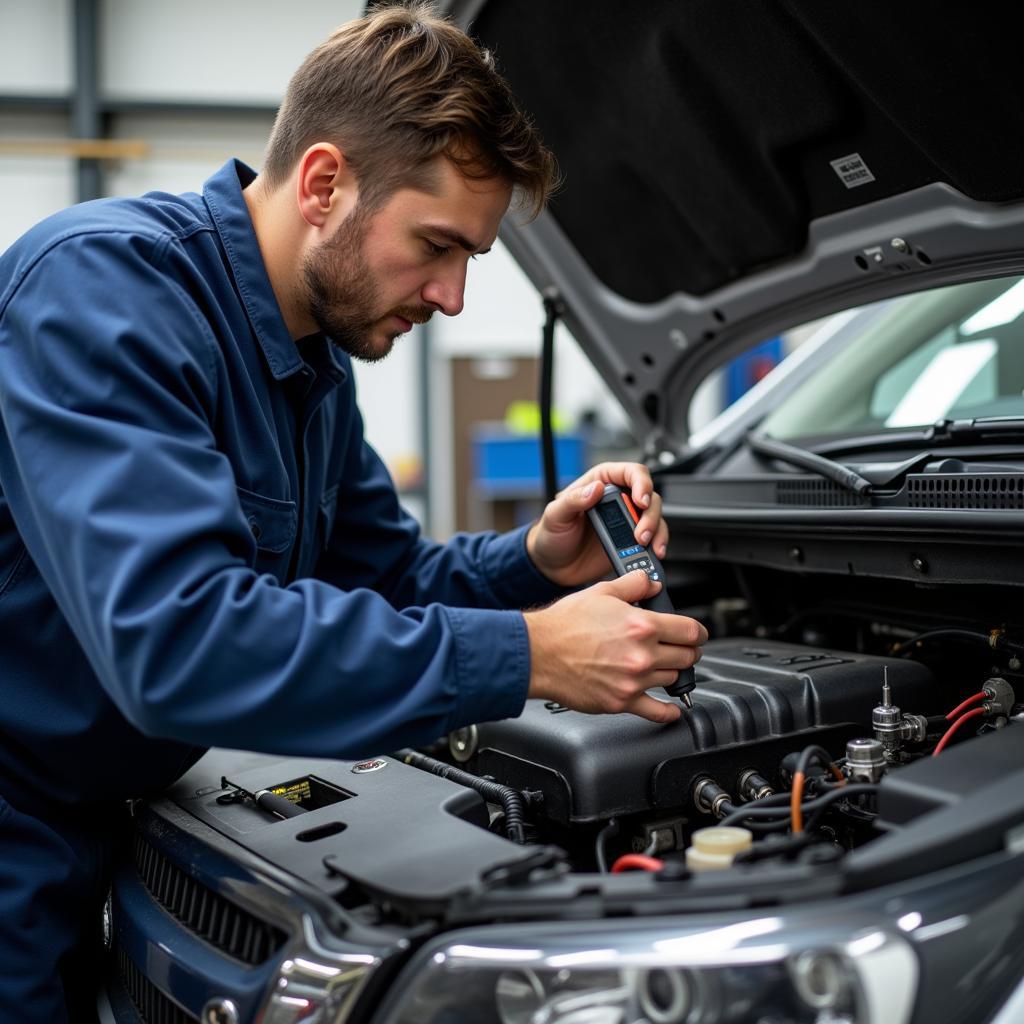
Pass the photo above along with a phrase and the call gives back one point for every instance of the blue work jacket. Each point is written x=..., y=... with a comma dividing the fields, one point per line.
x=197, y=545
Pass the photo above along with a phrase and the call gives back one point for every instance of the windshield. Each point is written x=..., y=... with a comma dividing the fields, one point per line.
x=948, y=353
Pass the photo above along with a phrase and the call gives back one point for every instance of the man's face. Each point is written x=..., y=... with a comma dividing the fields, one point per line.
x=389, y=268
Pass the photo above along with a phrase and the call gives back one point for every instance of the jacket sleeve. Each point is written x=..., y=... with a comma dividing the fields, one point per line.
x=375, y=543
x=110, y=467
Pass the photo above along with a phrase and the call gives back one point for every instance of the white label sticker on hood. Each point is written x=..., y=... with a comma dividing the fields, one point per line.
x=852, y=170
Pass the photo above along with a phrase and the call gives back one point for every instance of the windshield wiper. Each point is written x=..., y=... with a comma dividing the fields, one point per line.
x=804, y=459
x=943, y=434
x=979, y=429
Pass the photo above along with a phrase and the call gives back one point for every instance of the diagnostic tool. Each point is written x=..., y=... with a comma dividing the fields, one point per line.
x=614, y=519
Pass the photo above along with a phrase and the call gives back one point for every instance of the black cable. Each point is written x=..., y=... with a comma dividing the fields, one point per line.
x=872, y=615
x=779, y=802
x=752, y=812
x=819, y=803
x=510, y=800
x=829, y=798
x=611, y=829
x=776, y=847
x=552, y=310
x=807, y=754
x=775, y=800
x=994, y=640
x=775, y=825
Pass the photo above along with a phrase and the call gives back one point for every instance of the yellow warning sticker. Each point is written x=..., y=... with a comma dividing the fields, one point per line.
x=297, y=791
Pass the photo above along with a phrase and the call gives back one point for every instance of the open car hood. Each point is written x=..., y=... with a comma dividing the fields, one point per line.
x=733, y=169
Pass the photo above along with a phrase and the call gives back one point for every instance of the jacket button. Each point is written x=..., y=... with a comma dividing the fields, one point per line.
x=255, y=527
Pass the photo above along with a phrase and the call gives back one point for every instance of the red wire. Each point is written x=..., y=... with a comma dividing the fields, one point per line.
x=973, y=699
x=948, y=735
x=629, y=861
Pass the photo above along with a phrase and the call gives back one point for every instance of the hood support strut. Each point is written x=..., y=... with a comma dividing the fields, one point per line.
x=552, y=311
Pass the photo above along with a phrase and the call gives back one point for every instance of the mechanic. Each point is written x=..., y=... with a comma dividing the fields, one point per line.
x=197, y=545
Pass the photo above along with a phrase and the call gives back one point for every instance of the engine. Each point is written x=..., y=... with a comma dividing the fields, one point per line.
x=755, y=701
x=605, y=785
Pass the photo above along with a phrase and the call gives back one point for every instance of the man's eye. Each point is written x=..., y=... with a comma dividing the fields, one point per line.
x=437, y=250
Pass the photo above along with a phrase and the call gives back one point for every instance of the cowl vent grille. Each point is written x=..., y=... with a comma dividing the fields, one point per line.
x=1005, y=491
x=815, y=494
x=204, y=912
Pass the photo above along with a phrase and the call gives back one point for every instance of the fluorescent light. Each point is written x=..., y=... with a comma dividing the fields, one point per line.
x=1002, y=310
x=944, y=380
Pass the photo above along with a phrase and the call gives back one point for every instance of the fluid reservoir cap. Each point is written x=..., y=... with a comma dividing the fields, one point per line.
x=714, y=848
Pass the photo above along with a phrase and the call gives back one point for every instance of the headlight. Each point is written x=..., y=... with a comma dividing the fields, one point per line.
x=315, y=985
x=757, y=971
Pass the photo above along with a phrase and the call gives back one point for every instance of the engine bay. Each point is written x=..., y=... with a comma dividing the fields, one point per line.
x=812, y=752
x=749, y=695
x=768, y=717
x=850, y=731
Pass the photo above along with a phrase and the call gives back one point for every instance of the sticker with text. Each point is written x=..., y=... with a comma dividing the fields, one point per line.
x=852, y=170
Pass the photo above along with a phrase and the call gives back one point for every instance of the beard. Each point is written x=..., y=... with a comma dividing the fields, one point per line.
x=343, y=297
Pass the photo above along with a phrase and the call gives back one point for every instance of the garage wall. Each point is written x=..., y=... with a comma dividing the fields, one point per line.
x=35, y=47
x=35, y=60
x=152, y=52
x=242, y=50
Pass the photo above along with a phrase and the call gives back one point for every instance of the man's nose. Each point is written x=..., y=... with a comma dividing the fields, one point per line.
x=446, y=292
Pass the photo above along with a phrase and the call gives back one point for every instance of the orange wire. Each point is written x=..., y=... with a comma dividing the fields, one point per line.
x=797, y=795
x=794, y=802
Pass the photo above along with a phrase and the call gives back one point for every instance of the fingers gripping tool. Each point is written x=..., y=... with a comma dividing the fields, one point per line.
x=614, y=519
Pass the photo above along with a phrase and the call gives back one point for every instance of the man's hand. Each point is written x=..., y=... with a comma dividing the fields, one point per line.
x=562, y=543
x=593, y=651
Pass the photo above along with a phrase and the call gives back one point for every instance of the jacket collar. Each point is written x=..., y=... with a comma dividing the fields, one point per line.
x=223, y=195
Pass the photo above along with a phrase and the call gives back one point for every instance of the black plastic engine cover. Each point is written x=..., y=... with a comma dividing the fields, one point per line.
x=755, y=701
x=355, y=838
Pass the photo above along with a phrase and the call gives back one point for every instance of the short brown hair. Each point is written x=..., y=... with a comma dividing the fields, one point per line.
x=399, y=87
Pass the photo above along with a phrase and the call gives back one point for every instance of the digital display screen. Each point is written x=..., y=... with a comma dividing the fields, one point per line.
x=620, y=528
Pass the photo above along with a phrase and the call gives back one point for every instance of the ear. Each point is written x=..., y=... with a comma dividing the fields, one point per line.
x=326, y=188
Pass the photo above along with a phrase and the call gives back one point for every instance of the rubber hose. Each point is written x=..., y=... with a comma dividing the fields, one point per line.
x=511, y=800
